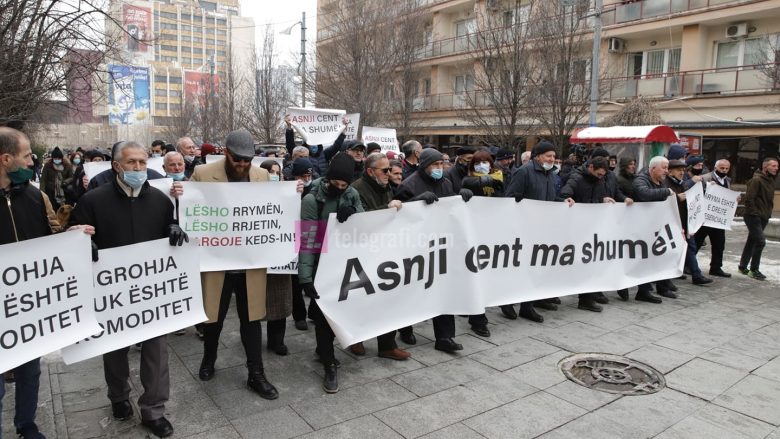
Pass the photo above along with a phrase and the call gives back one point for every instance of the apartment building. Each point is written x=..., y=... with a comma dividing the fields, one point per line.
x=704, y=64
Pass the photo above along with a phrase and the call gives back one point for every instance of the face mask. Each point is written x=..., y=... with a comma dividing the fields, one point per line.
x=176, y=177
x=156, y=154
x=314, y=149
x=134, y=179
x=77, y=161
x=556, y=170
x=274, y=177
x=695, y=171
x=611, y=168
x=20, y=175
x=189, y=158
x=437, y=173
x=721, y=175
x=57, y=161
x=335, y=192
x=547, y=166
x=482, y=168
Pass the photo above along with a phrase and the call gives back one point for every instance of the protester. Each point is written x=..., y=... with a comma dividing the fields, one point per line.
x=129, y=211
x=525, y=157
x=411, y=150
x=303, y=171
x=484, y=178
x=186, y=147
x=330, y=194
x=249, y=286
x=626, y=175
x=174, y=166
x=428, y=184
x=759, y=202
x=372, y=147
x=720, y=177
x=158, y=148
x=445, y=158
x=613, y=162
x=108, y=176
x=455, y=175
x=505, y=161
x=375, y=193
x=694, y=170
x=56, y=174
x=28, y=216
x=273, y=168
x=356, y=150
x=297, y=152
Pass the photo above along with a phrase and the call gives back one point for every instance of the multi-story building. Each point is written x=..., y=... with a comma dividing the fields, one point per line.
x=706, y=65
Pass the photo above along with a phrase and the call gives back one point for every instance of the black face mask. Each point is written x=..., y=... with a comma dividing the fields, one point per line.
x=695, y=171
x=721, y=175
x=335, y=192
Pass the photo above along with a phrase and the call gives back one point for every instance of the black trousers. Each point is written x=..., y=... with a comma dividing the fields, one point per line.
x=298, y=304
x=323, y=333
x=251, y=332
x=755, y=243
x=718, y=242
x=443, y=327
x=275, y=332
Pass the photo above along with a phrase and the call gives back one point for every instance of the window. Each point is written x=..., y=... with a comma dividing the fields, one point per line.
x=464, y=27
x=209, y=6
x=427, y=86
x=160, y=106
x=745, y=52
x=171, y=26
x=654, y=62
x=221, y=21
x=187, y=17
x=171, y=48
x=169, y=15
x=464, y=83
x=160, y=92
x=197, y=50
x=174, y=79
x=160, y=78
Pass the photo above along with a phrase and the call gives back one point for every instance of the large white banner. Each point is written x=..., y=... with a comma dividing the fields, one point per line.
x=46, y=289
x=240, y=226
x=385, y=137
x=388, y=269
x=322, y=126
x=256, y=161
x=721, y=207
x=142, y=291
x=694, y=198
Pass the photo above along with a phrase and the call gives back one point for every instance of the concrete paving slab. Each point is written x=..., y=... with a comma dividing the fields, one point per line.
x=703, y=379
x=280, y=423
x=754, y=396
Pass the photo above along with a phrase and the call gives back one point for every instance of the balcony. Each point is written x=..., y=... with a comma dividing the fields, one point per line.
x=627, y=11
x=710, y=82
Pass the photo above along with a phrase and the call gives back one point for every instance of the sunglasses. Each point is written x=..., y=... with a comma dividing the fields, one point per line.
x=385, y=170
x=240, y=159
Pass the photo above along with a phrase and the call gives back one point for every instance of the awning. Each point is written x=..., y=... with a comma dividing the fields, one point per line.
x=640, y=134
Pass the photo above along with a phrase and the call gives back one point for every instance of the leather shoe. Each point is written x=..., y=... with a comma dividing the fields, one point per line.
x=301, y=325
x=701, y=280
x=330, y=383
x=589, y=305
x=206, y=370
x=543, y=304
x=279, y=349
x=395, y=354
x=29, y=431
x=670, y=285
x=623, y=294
x=647, y=297
x=481, y=330
x=259, y=383
x=600, y=298
x=122, y=410
x=509, y=312
x=530, y=314
x=409, y=338
x=448, y=345
x=719, y=272
x=159, y=427
x=667, y=294
x=358, y=349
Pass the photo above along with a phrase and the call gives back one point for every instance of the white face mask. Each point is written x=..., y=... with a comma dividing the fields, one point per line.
x=482, y=168
x=547, y=166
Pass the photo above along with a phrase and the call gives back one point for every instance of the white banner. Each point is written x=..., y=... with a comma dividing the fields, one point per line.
x=403, y=267
x=142, y=291
x=720, y=207
x=385, y=137
x=46, y=289
x=322, y=126
x=291, y=268
x=163, y=185
x=240, y=226
x=91, y=169
x=694, y=198
x=256, y=161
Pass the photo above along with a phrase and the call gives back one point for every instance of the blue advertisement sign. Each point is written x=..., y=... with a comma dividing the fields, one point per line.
x=128, y=95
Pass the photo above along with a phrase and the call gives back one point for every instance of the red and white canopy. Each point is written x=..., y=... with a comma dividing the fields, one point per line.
x=639, y=134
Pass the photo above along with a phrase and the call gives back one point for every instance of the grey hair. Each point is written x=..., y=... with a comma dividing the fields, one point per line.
x=116, y=152
x=373, y=158
x=723, y=161
x=11, y=140
x=180, y=140
x=656, y=161
x=300, y=149
x=526, y=155
x=170, y=155
x=409, y=147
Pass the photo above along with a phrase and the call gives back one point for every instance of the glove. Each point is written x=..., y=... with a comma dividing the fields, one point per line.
x=428, y=197
x=498, y=185
x=344, y=213
x=309, y=290
x=176, y=235
x=466, y=194
x=94, y=252
x=518, y=198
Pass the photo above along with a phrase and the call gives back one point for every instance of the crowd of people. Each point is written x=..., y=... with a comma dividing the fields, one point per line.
x=118, y=207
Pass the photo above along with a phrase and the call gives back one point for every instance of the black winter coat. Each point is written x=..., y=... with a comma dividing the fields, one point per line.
x=584, y=187
x=682, y=206
x=646, y=190
x=420, y=182
x=533, y=182
x=455, y=175
x=372, y=195
x=23, y=214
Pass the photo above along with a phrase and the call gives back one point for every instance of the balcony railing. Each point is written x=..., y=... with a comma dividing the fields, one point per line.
x=627, y=11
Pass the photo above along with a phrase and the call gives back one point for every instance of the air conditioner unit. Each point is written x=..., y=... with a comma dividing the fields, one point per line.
x=616, y=45
x=737, y=30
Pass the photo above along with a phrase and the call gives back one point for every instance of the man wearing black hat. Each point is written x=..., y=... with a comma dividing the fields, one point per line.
x=372, y=147
x=129, y=211
x=55, y=173
x=249, y=286
x=330, y=194
x=536, y=181
x=457, y=173
x=428, y=184
x=357, y=150
x=302, y=170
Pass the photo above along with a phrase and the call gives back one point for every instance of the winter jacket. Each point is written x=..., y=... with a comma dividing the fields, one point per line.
x=372, y=195
x=533, y=182
x=682, y=206
x=585, y=187
x=760, y=194
x=624, y=179
x=646, y=190
x=711, y=177
x=484, y=185
x=189, y=167
x=26, y=214
x=408, y=169
x=317, y=206
x=420, y=182
x=54, y=182
x=456, y=174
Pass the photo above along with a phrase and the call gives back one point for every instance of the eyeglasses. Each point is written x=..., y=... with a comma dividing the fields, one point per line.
x=240, y=159
x=385, y=170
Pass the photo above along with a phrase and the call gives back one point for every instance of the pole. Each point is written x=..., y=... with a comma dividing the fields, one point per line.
x=303, y=60
x=595, y=63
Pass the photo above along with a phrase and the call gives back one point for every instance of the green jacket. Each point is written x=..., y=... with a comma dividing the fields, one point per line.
x=372, y=195
x=317, y=206
x=760, y=195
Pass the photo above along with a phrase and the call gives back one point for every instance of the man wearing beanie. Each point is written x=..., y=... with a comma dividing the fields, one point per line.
x=428, y=184
x=56, y=172
x=249, y=286
x=457, y=173
x=676, y=152
x=302, y=170
x=330, y=194
x=694, y=170
x=536, y=181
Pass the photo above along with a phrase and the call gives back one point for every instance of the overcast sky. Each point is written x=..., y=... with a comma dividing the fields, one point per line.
x=282, y=14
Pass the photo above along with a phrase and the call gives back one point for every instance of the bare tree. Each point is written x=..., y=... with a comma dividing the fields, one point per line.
x=183, y=122
x=37, y=56
x=497, y=109
x=635, y=113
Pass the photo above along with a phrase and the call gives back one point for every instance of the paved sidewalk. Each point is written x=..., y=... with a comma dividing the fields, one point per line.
x=718, y=347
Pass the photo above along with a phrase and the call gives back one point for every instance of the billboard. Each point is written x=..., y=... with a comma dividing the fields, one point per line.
x=691, y=142
x=137, y=22
x=197, y=86
x=128, y=95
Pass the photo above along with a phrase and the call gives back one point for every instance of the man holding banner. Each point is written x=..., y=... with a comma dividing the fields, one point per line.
x=129, y=211
x=719, y=177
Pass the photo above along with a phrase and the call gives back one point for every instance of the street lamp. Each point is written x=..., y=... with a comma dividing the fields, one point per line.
x=288, y=31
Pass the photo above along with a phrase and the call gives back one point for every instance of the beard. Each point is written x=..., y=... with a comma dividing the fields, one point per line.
x=238, y=174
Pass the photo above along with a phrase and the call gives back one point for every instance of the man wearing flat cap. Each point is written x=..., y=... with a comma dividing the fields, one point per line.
x=249, y=286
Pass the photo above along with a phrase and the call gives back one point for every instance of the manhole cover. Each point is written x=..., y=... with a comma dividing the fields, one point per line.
x=612, y=374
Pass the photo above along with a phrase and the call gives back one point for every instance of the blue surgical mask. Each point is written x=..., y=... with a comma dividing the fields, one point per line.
x=274, y=177
x=57, y=161
x=77, y=161
x=134, y=179
x=156, y=154
x=176, y=177
x=482, y=168
x=313, y=149
x=437, y=173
